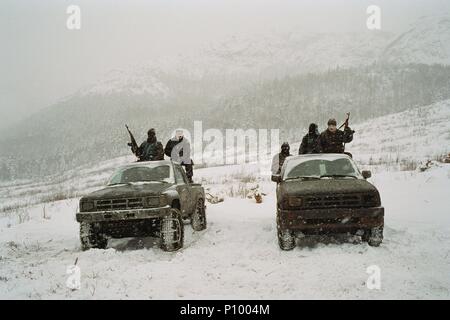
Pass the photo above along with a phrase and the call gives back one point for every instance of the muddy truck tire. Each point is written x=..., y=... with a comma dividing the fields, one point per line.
x=90, y=237
x=286, y=240
x=198, y=218
x=172, y=231
x=375, y=236
x=286, y=237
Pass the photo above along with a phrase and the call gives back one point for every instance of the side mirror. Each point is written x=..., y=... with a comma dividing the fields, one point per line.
x=366, y=174
x=276, y=178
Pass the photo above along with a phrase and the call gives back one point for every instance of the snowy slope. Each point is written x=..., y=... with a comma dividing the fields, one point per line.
x=133, y=82
x=262, y=56
x=383, y=143
x=224, y=75
x=252, y=57
x=417, y=134
x=427, y=41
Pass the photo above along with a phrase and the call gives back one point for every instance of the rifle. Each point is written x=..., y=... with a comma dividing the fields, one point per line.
x=345, y=122
x=133, y=144
x=345, y=125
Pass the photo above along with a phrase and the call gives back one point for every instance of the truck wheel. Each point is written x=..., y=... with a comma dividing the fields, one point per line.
x=286, y=240
x=375, y=236
x=198, y=218
x=90, y=238
x=172, y=231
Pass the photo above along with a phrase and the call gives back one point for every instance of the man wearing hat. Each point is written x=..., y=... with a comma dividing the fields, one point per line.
x=332, y=140
x=152, y=149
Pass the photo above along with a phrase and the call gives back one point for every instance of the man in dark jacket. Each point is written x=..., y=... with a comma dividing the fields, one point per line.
x=152, y=149
x=278, y=159
x=332, y=140
x=179, y=150
x=310, y=141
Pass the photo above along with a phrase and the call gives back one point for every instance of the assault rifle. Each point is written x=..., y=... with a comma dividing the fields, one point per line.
x=345, y=124
x=133, y=144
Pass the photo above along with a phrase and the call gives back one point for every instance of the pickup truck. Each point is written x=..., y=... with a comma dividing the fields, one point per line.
x=326, y=194
x=142, y=199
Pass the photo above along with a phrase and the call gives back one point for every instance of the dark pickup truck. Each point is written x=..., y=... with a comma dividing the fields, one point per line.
x=142, y=199
x=326, y=194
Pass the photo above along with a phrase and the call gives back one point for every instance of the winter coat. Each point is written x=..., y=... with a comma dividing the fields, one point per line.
x=151, y=151
x=186, y=145
x=277, y=162
x=334, y=142
x=310, y=144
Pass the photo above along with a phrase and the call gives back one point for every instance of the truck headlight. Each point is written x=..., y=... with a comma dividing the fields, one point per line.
x=295, y=201
x=151, y=202
x=163, y=201
x=155, y=201
x=86, y=206
x=370, y=200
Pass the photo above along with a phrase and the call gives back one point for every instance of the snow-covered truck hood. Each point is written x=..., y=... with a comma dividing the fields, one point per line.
x=128, y=190
x=326, y=186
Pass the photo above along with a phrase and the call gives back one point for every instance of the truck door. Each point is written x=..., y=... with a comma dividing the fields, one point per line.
x=183, y=190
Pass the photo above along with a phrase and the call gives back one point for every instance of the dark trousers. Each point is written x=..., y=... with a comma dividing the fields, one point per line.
x=189, y=168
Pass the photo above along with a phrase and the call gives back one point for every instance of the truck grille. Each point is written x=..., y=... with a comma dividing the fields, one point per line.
x=337, y=201
x=345, y=220
x=119, y=204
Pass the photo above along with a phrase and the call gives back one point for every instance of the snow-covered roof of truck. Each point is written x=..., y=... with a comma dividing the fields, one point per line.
x=327, y=156
x=149, y=163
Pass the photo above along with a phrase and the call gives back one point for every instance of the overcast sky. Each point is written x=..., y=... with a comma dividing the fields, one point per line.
x=42, y=61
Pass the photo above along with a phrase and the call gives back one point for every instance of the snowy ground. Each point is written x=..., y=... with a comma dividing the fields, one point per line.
x=238, y=256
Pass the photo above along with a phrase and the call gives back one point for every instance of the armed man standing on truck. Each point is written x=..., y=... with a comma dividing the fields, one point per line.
x=310, y=141
x=151, y=149
x=333, y=140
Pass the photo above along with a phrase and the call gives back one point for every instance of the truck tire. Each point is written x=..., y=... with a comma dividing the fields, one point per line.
x=375, y=236
x=91, y=238
x=172, y=231
x=198, y=218
x=286, y=238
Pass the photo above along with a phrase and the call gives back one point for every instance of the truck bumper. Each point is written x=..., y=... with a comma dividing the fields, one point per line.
x=123, y=215
x=332, y=219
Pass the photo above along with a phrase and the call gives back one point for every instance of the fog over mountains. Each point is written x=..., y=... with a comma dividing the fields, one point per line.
x=283, y=80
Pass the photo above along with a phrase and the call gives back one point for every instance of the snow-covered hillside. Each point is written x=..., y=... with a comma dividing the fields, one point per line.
x=416, y=135
x=427, y=41
x=262, y=56
x=134, y=82
x=238, y=82
x=399, y=141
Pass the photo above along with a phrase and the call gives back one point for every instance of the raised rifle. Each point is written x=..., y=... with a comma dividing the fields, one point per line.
x=133, y=144
x=345, y=124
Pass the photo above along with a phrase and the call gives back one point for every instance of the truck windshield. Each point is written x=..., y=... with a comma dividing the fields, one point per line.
x=321, y=168
x=160, y=173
